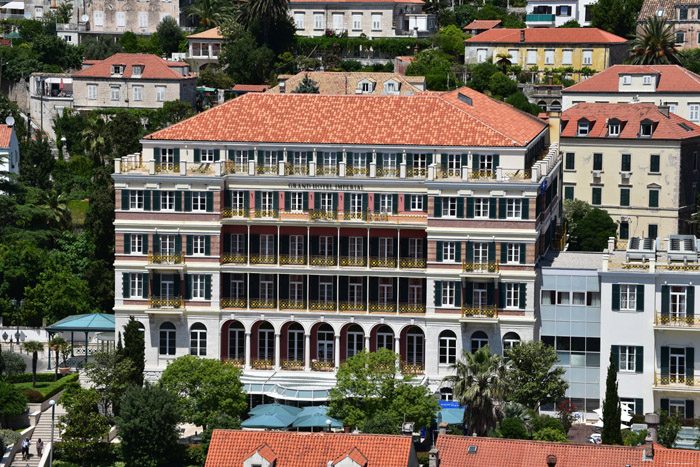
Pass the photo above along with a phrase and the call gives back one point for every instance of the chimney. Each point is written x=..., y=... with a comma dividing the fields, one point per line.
x=554, y=118
x=652, y=421
x=434, y=457
x=648, y=448
x=551, y=460
x=522, y=35
x=283, y=85
x=664, y=109
x=442, y=428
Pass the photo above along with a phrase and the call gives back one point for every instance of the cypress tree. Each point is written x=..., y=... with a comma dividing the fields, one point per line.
x=134, y=349
x=612, y=413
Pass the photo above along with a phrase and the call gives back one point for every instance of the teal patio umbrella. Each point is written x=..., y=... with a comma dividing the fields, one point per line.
x=313, y=410
x=318, y=420
x=275, y=409
x=269, y=421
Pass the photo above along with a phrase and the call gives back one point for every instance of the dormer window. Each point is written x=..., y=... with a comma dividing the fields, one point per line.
x=117, y=69
x=626, y=79
x=646, y=129
x=136, y=70
x=614, y=129
x=660, y=12
x=583, y=128
x=365, y=86
x=391, y=87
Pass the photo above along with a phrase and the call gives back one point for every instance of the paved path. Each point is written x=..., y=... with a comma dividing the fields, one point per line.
x=43, y=431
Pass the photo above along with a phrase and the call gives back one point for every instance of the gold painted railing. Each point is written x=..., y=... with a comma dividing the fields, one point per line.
x=234, y=258
x=416, y=172
x=357, y=172
x=266, y=213
x=292, y=260
x=203, y=168
x=353, y=261
x=482, y=174
x=230, y=167
x=663, y=319
x=266, y=170
x=236, y=362
x=413, y=368
x=411, y=308
x=678, y=267
x=518, y=174
x=352, y=306
x=322, y=306
x=323, y=261
x=390, y=172
x=678, y=380
x=297, y=170
x=378, y=216
x=263, y=364
x=482, y=312
x=379, y=307
x=382, y=262
x=490, y=267
x=292, y=365
x=328, y=171
x=162, y=258
x=356, y=215
x=320, y=365
x=167, y=168
x=263, y=259
x=628, y=266
x=412, y=263
x=323, y=215
x=449, y=173
x=233, y=303
x=164, y=302
x=289, y=304
x=234, y=212
x=261, y=303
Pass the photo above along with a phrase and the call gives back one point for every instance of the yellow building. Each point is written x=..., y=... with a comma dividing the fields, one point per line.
x=548, y=48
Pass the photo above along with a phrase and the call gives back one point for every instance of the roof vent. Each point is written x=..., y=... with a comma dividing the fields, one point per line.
x=641, y=249
x=682, y=248
x=472, y=450
x=551, y=460
x=465, y=99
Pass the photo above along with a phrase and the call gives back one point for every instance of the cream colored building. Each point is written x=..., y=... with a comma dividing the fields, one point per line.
x=636, y=161
x=374, y=19
x=120, y=16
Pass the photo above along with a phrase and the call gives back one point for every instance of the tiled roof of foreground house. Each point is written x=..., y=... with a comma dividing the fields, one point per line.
x=154, y=67
x=630, y=117
x=463, y=117
x=547, y=36
x=230, y=448
x=356, y=1
x=5, y=136
x=498, y=452
x=480, y=24
x=671, y=78
x=213, y=33
x=334, y=82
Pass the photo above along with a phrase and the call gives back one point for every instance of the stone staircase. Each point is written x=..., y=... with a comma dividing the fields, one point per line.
x=43, y=432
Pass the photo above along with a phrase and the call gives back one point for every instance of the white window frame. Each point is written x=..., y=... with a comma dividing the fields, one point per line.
x=481, y=208
x=386, y=204
x=99, y=18
x=199, y=245
x=587, y=57
x=694, y=112
x=356, y=203
x=549, y=57
x=299, y=19
x=318, y=21
x=138, y=93
x=92, y=92
x=160, y=93
x=567, y=57
x=199, y=201
x=136, y=244
x=143, y=20
x=449, y=251
x=198, y=286
x=416, y=202
x=376, y=21
x=135, y=200
x=448, y=293
x=357, y=21
x=238, y=200
x=447, y=350
x=583, y=128
x=514, y=208
x=628, y=354
x=512, y=295
x=206, y=155
x=513, y=253
x=136, y=284
x=449, y=207
x=628, y=297
x=167, y=201
x=115, y=93
x=614, y=129
x=296, y=202
x=626, y=80
x=121, y=19
x=327, y=202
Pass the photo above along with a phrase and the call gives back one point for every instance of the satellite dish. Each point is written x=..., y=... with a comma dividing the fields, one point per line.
x=85, y=18
x=10, y=120
x=27, y=15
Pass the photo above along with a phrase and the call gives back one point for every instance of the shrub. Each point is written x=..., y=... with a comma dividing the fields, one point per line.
x=513, y=428
x=12, y=364
x=27, y=378
x=550, y=434
x=423, y=458
x=33, y=396
x=8, y=437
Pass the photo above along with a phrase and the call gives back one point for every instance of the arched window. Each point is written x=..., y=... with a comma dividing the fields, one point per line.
x=356, y=340
x=448, y=348
x=295, y=343
x=414, y=346
x=479, y=340
x=446, y=394
x=385, y=338
x=324, y=343
x=198, y=340
x=167, y=339
x=236, y=341
x=266, y=342
x=511, y=339
x=142, y=328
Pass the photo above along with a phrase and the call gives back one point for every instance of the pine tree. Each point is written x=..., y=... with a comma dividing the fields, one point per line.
x=612, y=413
x=307, y=86
x=134, y=349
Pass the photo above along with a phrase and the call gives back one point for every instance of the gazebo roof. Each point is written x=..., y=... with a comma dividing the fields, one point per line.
x=93, y=322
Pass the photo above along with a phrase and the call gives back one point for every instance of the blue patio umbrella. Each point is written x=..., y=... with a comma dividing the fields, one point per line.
x=313, y=410
x=317, y=420
x=275, y=409
x=269, y=421
x=451, y=416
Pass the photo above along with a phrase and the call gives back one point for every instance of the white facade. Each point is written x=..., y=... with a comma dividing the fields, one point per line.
x=9, y=153
x=543, y=13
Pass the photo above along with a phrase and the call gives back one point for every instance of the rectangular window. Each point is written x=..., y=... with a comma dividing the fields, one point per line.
x=356, y=203
x=416, y=202
x=356, y=247
x=680, y=37
x=198, y=245
x=567, y=56
x=115, y=93
x=596, y=196
x=206, y=155
x=318, y=21
x=327, y=202
x=198, y=286
x=299, y=20
x=568, y=192
x=597, y=161
x=587, y=57
x=570, y=162
x=376, y=21
x=549, y=57
x=626, y=79
x=143, y=20
x=481, y=253
x=653, y=198
x=297, y=202
x=654, y=163
x=628, y=297
x=513, y=253
x=646, y=80
x=448, y=251
x=136, y=285
x=513, y=53
x=514, y=208
x=512, y=295
x=386, y=247
x=624, y=196
x=92, y=92
x=626, y=163
x=449, y=207
x=357, y=21
x=121, y=19
x=563, y=298
x=627, y=358
x=385, y=204
x=448, y=293
x=136, y=242
x=481, y=208
x=238, y=200
x=138, y=93
x=694, y=112
x=415, y=248
x=267, y=201
x=160, y=93
x=167, y=200
x=99, y=18
x=338, y=19
x=532, y=57
x=135, y=199
x=582, y=128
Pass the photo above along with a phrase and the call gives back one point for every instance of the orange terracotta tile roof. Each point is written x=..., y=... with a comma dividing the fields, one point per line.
x=339, y=82
x=230, y=448
x=5, y=135
x=154, y=67
x=330, y=2
x=630, y=116
x=213, y=33
x=251, y=87
x=355, y=455
x=672, y=78
x=406, y=58
x=426, y=119
x=547, y=36
x=482, y=24
x=454, y=452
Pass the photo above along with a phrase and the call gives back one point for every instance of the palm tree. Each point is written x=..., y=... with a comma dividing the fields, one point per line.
x=34, y=347
x=56, y=205
x=655, y=44
x=57, y=344
x=270, y=11
x=94, y=137
x=211, y=13
x=503, y=61
x=479, y=384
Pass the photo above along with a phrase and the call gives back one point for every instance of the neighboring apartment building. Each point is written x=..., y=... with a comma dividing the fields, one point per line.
x=376, y=18
x=49, y=94
x=137, y=16
x=554, y=13
x=331, y=82
x=9, y=150
x=205, y=48
x=548, y=48
x=638, y=162
x=269, y=235
x=669, y=85
x=682, y=15
x=132, y=81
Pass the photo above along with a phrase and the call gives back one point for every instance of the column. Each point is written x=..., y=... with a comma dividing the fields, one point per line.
x=366, y=342
x=397, y=345
x=336, y=348
x=247, y=351
x=278, y=353
x=307, y=352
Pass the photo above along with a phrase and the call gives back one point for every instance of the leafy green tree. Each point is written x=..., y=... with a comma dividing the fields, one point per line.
x=520, y=101
x=572, y=23
x=210, y=13
x=510, y=20
x=216, y=79
x=612, y=412
x=436, y=66
x=36, y=163
x=465, y=14
x=110, y=378
x=370, y=394
x=533, y=375
x=204, y=387
x=668, y=429
x=481, y=75
x=575, y=210
x=34, y=347
x=134, y=350
x=503, y=61
x=630, y=438
x=11, y=364
x=124, y=130
x=52, y=51
x=64, y=12
x=480, y=384
x=655, y=44
x=171, y=113
x=593, y=231
x=268, y=11
x=306, y=86
x=9, y=108
x=170, y=35
x=502, y=85
x=219, y=421
x=689, y=59
x=95, y=138
x=129, y=42
x=451, y=39
x=12, y=402
x=513, y=428
x=83, y=427
x=245, y=61
x=447, y=18
x=148, y=426
x=550, y=434
x=616, y=16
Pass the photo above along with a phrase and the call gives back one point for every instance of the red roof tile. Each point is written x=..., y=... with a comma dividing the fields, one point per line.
x=230, y=448
x=630, y=115
x=548, y=36
x=251, y=87
x=154, y=67
x=672, y=78
x=480, y=24
x=426, y=119
x=331, y=2
x=5, y=136
x=212, y=33
x=454, y=452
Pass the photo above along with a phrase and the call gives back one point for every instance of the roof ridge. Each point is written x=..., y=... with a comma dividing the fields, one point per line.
x=548, y=443
x=441, y=97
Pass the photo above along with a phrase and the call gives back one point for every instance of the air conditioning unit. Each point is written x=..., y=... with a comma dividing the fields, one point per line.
x=626, y=174
x=597, y=173
x=624, y=218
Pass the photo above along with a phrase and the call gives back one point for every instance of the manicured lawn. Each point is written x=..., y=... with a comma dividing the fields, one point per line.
x=78, y=209
x=43, y=388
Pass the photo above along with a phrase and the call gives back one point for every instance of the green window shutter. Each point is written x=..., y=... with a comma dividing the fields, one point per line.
x=178, y=243
x=156, y=243
x=210, y=201
x=489, y=294
x=251, y=155
x=437, y=206
x=625, y=163
x=624, y=197
x=425, y=203
x=407, y=202
x=315, y=243
x=125, y=285
x=177, y=286
x=145, y=242
x=501, y=295
x=146, y=200
x=395, y=204
x=409, y=161
x=335, y=201
x=664, y=404
x=525, y=214
x=275, y=200
x=568, y=192
x=346, y=202
x=207, y=245
x=305, y=201
x=639, y=406
x=188, y=201
x=475, y=162
x=493, y=208
x=465, y=160
x=317, y=201
x=254, y=244
x=227, y=243
x=217, y=155
x=689, y=408
x=496, y=161
x=522, y=296
x=438, y=251
x=504, y=253
x=492, y=252
x=639, y=359
x=654, y=164
x=365, y=201
x=616, y=297
x=373, y=289
x=284, y=244
x=665, y=300
x=380, y=159
x=287, y=201
x=640, y=297
x=377, y=198
x=176, y=156
x=653, y=198
x=231, y=154
x=469, y=294
x=284, y=286
x=258, y=200
x=460, y=207
x=690, y=365
x=468, y=252
x=207, y=287
x=615, y=350
x=156, y=155
x=664, y=361
x=428, y=159
x=470, y=208
x=127, y=244
x=344, y=246
x=246, y=201
x=188, y=286
x=156, y=284
x=443, y=160
x=125, y=200
x=197, y=156
x=190, y=244
x=458, y=294
x=145, y=285
x=178, y=201
x=690, y=301
x=374, y=246
x=280, y=155
x=502, y=202
x=597, y=162
x=438, y=293
x=596, y=196
x=458, y=252
x=523, y=253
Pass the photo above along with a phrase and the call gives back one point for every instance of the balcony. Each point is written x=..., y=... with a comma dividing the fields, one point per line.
x=267, y=170
x=677, y=321
x=446, y=172
x=352, y=306
x=327, y=171
x=534, y=20
x=324, y=261
x=355, y=215
x=294, y=365
x=296, y=169
x=421, y=172
x=234, y=258
x=490, y=267
x=412, y=263
x=357, y=172
x=329, y=305
x=262, y=304
x=323, y=215
x=292, y=260
x=235, y=362
x=382, y=307
x=382, y=262
x=233, y=168
x=263, y=365
x=168, y=168
x=353, y=261
x=322, y=365
x=378, y=216
x=263, y=259
x=388, y=172
x=679, y=382
x=418, y=308
x=234, y=303
x=235, y=212
x=164, y=258
x=469, y=311
x=267, y=214
x=413, y=368
x=167, y=302
x=290, y=304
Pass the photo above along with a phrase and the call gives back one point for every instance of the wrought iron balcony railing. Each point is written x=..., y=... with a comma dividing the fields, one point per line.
x=412, y=263
x=292, y=260
x=262, y=303
x=411, y=308
x=322, y=365
x=232, y=302
x=413, y=368
x=352, y=306
x=469, y=311
x=323, y=215
x=357, y=172
x=267, y=213
x=353, y=261
x=293, y=365
x=382, y=262
x=234, y=212
x=263, y=259
x=322, y=305
x=236, y=362
x=291, y=304
x=234, y=258
x=323, y=261
x=155, y=301
x=267, y=169
x=382, y=307
x=489, y=267
x=263, y=365
x=164, y=258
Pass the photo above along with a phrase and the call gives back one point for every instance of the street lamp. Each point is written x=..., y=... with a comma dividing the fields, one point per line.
x=18, y=306
x=52, y=403
x=328, y=425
